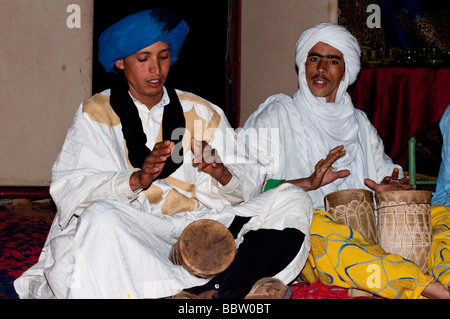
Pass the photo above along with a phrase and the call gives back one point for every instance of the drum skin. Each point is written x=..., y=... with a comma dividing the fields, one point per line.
x=205, y=248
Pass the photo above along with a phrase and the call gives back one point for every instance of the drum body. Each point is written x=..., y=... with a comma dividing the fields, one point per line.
x=205, y=248
x=354, y=208
x=404, y=224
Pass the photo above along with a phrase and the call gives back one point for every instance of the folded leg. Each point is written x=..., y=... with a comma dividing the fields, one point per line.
x=439, y=259
x=341, y=256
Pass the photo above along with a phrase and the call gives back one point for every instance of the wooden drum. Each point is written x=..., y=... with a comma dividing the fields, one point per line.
x=354, y=208
x=205, y=248
x=404, y=224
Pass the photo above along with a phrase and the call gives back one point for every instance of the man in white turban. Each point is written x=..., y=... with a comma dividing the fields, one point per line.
x=321, y=117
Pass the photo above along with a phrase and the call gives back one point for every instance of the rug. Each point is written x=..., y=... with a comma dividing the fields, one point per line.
x=24, y=226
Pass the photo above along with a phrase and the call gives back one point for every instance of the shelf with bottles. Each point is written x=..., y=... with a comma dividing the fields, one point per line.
x=407, y=57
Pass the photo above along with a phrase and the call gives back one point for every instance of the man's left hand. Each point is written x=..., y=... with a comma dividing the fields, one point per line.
x=207, y=160
x=390, y=183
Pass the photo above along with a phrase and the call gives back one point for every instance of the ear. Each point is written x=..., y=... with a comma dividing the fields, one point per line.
x=119, y=64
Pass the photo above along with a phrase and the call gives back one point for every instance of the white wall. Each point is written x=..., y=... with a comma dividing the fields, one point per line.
x=45, y=73
x=270, y=30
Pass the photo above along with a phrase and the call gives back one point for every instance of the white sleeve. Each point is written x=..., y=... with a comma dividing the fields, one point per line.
x=383, y=163
x=246, y=182
x=89, y=167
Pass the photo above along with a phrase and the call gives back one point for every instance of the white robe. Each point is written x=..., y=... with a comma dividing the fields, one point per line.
x=107, y=241
x=309, y=126
x=285, y=155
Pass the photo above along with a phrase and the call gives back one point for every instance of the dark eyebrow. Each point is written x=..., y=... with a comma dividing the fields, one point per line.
x=147, y=52
x=328, y=56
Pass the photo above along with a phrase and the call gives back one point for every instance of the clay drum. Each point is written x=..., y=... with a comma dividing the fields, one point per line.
x=404, y=224
x=354, y=208
x=205, y=248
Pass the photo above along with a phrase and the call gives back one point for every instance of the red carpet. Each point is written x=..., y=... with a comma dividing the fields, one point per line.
x=318, y=290
x=23, y=230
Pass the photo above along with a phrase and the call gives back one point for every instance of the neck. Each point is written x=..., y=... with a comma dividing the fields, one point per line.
x=148, y=100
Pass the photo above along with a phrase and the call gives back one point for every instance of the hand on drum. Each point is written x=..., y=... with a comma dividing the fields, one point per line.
x=390, y=183
x=207, y=160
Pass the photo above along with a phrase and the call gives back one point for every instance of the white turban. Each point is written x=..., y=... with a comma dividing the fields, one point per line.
x=336, y=36
x=321, y=125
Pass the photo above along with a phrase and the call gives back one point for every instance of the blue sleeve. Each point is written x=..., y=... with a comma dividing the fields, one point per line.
x=442, y=194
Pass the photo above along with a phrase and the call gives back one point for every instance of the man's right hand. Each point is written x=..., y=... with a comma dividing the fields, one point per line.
x=153, y=166
x=323, y=173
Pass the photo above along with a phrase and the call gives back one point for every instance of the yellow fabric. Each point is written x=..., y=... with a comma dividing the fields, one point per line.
x=439, y=259
x=341, y=256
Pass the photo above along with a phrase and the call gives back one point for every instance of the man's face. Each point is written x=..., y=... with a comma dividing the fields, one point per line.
x=146, y=72
x=324, y=68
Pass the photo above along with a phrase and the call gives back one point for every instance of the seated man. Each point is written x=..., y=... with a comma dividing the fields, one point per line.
x=319, y=117
x=126, y=185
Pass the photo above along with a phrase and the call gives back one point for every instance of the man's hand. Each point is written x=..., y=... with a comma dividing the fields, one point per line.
x=390, y=183
x=323, y=173
x=207, y=160
x=153, y=166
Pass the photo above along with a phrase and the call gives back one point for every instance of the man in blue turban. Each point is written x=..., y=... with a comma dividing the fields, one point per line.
x=126, y=184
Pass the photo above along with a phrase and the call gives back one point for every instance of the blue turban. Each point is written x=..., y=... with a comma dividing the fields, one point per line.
x=138, y=31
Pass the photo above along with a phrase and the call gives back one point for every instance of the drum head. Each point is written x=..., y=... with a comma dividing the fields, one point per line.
x=207, y=248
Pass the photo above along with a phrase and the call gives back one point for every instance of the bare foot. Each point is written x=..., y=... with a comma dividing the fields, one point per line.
x=436, y=290
x=209, y=294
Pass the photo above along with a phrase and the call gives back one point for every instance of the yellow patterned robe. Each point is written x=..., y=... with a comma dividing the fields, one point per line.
x=339, y=254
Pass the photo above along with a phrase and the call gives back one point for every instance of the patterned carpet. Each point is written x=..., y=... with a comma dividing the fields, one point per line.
x=23, y=229
x=24, y=226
